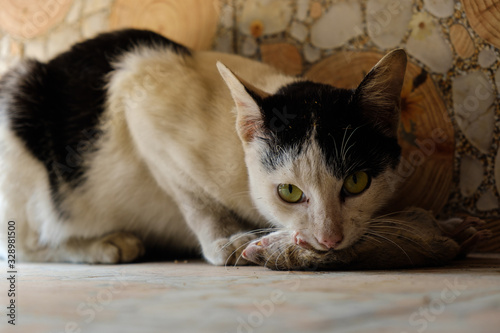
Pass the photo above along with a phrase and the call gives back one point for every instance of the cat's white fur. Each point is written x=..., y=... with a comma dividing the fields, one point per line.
x=160, y=177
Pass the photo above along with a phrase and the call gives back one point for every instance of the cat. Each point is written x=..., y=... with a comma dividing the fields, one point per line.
x=130, y=140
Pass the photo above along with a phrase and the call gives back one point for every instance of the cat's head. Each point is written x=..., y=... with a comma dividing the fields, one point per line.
x=319, y=158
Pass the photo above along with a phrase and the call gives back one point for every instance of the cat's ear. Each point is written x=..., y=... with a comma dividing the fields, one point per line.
x=247, y=99
x=379, y=94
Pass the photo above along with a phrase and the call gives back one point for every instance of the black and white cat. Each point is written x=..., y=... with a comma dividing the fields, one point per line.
x=130, y=140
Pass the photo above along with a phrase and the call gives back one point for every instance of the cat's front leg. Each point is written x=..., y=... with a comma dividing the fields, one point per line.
x=228, y=250
x=222, y=234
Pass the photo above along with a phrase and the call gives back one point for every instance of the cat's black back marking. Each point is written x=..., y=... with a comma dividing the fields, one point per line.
x=56, y=107
x=291, y=115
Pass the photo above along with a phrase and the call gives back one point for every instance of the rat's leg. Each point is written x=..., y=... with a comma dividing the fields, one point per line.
x=456, y=225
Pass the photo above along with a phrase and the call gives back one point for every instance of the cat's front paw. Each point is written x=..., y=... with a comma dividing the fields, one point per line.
x=278, y=251
x=116, y=248
x=227, y=251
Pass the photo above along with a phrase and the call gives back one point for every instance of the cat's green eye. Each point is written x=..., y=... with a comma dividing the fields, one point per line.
x=290, y=193
x=356, y=183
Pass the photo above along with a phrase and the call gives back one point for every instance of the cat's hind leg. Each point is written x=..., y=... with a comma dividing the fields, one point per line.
x=113, y=248
x=117, y=247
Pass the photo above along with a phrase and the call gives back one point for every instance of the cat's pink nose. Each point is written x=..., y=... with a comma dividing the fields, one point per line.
x=331, y=241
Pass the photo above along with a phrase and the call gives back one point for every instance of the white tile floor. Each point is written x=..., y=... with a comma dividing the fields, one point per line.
x=196, y=297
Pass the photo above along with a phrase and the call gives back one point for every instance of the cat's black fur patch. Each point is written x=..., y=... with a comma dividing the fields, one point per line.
x=57, y=105
x=291, y=115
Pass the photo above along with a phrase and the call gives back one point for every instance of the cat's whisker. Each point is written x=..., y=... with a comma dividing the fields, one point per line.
x=344, y=154
x=296, y=248
x=239, y=257
x=402, y=225
x=396, y=232
x=342, y=144
x=251, y=232
x=236, y=251
x=389, y=219
x=353, y=131
x=395, y=224
x=368, y=236
x=370, y=240
x=291, y=254
x=337, y=155
x=335, y=146
x=284, y=251
x=393, y=213
x=278, y=258
x=247, y=233
x=404, y=237
x=388, y=239
x=352, y=168
x=401, y=229
x=271, y=256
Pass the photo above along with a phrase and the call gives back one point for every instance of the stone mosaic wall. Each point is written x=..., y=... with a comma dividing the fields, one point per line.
x=452, y=90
